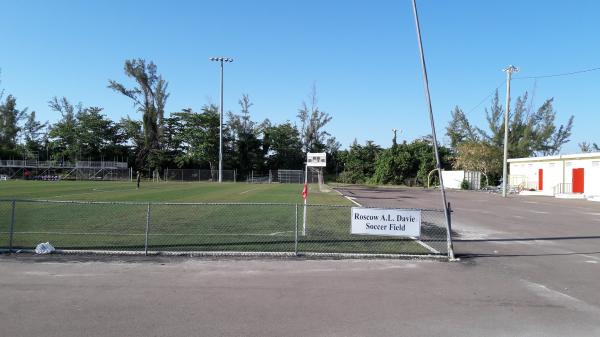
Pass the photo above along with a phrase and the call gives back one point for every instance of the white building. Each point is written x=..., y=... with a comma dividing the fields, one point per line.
x=574, y=174
x=454, y=179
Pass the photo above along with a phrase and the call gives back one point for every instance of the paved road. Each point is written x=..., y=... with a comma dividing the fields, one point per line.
x=543, y=246
x=529, y=267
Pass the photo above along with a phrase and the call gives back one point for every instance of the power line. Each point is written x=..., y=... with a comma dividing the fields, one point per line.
x=485, y=98
x=530, y=77
x=557, y=75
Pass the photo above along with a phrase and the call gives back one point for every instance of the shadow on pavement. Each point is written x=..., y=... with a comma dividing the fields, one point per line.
x=475, y=255
x=529, y=239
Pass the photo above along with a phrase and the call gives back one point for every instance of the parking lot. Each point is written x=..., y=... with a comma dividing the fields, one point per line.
x=529, y=266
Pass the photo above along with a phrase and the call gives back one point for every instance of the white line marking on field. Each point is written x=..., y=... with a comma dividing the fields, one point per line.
x=77, y=233
x=518, y=216
x=560, y=298
x=250, y=190
x=352, y=199
x=280, y=233
x=590, y=213
x=539, y=212
x=225, y=234
x=156, y=234
x=591, y=261
x=531, y=202
x=431, y=249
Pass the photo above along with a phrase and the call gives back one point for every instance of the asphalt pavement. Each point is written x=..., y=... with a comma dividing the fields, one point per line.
x=529, y=266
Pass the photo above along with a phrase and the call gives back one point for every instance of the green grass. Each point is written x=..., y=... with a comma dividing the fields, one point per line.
x=165, y=192
x=199, y=227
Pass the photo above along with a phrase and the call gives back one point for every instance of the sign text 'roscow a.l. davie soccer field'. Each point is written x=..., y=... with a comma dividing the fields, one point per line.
x=390, y=222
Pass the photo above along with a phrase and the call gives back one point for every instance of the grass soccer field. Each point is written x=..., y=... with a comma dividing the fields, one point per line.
x=165, y=192
x=184, y=216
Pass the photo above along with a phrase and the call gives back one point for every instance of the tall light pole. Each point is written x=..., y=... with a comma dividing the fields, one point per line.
x=509, y=70
x=221, y=60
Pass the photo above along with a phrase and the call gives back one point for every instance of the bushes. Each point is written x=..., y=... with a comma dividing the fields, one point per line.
x=395, y=165
x=465, y=185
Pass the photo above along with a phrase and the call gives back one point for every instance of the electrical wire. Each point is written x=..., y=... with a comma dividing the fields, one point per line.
x=530, y=77
x=557, y=75
x=485, y=98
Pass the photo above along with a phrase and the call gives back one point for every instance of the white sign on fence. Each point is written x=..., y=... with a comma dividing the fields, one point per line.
x=316, y=159
x=382, y=221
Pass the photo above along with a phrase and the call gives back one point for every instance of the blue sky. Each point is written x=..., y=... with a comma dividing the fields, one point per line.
x=362, y=56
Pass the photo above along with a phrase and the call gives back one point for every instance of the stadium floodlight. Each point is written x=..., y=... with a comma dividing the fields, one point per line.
x=221, y=60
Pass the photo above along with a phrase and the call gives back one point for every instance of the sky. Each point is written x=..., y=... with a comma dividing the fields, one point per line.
x=362, y=57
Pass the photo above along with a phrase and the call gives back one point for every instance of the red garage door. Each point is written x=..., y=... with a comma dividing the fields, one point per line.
x=578, y=182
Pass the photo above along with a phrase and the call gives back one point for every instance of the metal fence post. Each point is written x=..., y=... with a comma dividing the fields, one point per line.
x=12, y=227
x=449, y=240
x=147, y=230
x=296, y=233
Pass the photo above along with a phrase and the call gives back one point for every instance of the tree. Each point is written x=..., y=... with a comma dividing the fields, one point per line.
x=33, y=133
x=393, y=165
x=586, y=147
x=246, y=146
x=459, y=129
x=198, y=136
x=132, y=138
x=531, y=133
x=422, y=154
x=97, y=136
x=150, y=96
x=312, y=123
x=359, y=162
x=479, y=156
x=63, y=134
x=10, y=117
x=285, y=149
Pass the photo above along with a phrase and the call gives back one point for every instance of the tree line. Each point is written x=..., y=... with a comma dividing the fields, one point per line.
x=183, y=139
x=532, y=132
x=190, y=139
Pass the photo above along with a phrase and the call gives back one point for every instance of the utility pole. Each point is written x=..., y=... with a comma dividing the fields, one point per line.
x=395, y=140
x=221, y=60
x=445, y=204
x=509, y=70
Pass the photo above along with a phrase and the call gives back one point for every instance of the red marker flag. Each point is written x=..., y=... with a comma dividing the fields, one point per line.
x=305, y=191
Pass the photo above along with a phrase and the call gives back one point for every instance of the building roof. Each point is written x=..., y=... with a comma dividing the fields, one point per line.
x=593, y=155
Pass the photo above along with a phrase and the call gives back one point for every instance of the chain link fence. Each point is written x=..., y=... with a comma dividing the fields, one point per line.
x=253, y=176
x=198, y=175
x=204, y=227
x=5, y=223
x=282, y=176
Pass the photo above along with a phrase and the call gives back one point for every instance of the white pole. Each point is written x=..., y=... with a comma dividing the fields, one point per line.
x=305, y=200
x=221, y=60
x=509, y=72
x=221, y=129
